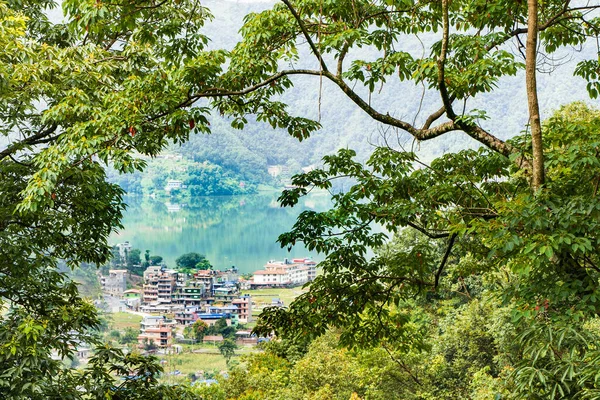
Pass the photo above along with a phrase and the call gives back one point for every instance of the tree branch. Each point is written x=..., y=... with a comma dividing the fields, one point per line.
x=38, y=138
x=316, y=51
x=532, y=99
x=441, y=63
x=438, y=274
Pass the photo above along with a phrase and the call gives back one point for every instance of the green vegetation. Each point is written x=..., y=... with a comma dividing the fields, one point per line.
x=124, y=320
x=490, y=288
x=200, y=179
x=196, y=331
x=192, y=261
x=264, y=297
x=194, y=362
x=228, y=348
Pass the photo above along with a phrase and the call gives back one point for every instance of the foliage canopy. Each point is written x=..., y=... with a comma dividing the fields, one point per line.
x=124, y=78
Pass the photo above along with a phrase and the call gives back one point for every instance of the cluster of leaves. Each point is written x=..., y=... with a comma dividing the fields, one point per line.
x=537, y=253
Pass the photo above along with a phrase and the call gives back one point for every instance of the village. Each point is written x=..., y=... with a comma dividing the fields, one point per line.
x=171, y=300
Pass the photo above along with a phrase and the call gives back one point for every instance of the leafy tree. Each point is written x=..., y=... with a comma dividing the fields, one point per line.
x=129, y=336
x=156, y=260
x=133, y=258
x=198, y=329
x=523, y=208
x=522, y=244
x=227, y=349
x=120, y=79
x=190, y=261
x=69, y=104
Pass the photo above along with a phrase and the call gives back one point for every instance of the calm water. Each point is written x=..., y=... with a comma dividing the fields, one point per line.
x=229, y=230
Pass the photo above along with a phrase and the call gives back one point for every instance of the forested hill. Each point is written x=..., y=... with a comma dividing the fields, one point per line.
x=247, y=153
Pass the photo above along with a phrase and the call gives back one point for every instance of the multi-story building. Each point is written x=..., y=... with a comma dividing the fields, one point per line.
x=206, y=277
x=297, y=271
x=161, y=335
x=124, y=249
x=174, y=184
x=115, y=283
x=156, y=329
x=187, y=316
x=244, y=308
x=192, y=294
x=159, y=285
x=167, y=282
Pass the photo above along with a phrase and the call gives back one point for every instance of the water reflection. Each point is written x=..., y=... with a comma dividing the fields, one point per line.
x=229, y=230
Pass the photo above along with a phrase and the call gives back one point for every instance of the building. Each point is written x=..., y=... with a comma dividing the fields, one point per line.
x=297, y=271
x=157, y=330
x=174, y=184
x=161, y=335
x=150, y=321
x=192, y=294
x=245, y=337
x=244, y=308
x=124, y=249
x=208, y=278
x=132, y=299
x=187, y=316
x=115, y=283
x=159, y=285
x=214, y=339
x=212, y=318
x=225, y=294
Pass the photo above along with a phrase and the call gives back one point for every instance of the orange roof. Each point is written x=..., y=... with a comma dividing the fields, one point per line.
x=269, y=272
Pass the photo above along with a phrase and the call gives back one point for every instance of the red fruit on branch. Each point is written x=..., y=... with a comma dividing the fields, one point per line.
x=132, y=131
x=192, y=123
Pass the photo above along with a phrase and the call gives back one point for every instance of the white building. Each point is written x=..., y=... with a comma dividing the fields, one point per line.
x=297, y=271
x=115, y=283
x=124, y=249
x=174, y=184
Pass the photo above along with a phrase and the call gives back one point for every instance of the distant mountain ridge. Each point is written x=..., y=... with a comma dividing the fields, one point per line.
x=249, y=152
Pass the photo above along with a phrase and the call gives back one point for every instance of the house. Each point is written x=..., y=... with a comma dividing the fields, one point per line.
x=226, y=293
x=192, y=294
x=212, y=318
x=115, y=283
x=157, y=330
x=132, y=299
x=245, y=337
x=150, y=321
x=297, y=271
x=161, y=335
x=132, y=293
x=244, y=308
x=187, y=316
x=206, y=277
x=214, y=339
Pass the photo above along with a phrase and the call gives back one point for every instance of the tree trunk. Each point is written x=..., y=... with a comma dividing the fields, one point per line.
x=532, y=100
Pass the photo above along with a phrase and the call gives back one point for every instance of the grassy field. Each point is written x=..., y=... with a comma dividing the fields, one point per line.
x=263, y=297
x=122, y=320
x=193, y=362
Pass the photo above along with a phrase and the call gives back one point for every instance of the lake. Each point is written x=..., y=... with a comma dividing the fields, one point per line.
x=230, y=230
